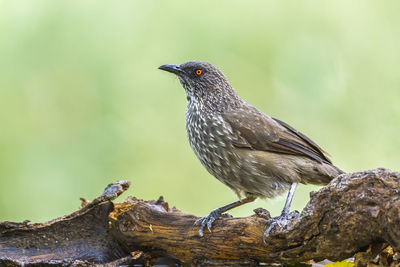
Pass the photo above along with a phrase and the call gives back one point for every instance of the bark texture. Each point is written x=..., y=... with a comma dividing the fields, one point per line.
x=357, y=213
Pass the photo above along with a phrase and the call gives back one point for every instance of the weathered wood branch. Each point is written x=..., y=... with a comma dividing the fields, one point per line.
x=355, y=212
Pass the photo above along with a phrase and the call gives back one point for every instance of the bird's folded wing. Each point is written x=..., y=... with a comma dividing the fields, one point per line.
x=257, y=131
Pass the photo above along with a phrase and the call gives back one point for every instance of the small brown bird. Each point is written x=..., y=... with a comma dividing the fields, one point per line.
x=255, y=155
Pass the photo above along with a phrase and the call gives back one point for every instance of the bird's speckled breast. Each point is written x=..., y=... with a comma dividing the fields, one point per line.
x=211, y=140
x=208, y=136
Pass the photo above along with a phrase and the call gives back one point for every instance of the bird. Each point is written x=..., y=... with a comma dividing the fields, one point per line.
x=255, y=155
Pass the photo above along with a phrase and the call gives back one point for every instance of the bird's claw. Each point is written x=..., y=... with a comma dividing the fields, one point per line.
x=208, y=220
x=281, y=220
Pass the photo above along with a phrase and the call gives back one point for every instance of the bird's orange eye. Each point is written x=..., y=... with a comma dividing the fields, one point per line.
x=198, y=72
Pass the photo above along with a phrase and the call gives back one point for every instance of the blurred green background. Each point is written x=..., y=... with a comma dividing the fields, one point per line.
x=82, y=103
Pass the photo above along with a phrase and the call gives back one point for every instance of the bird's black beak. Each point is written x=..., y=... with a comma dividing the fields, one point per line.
x=172, y=68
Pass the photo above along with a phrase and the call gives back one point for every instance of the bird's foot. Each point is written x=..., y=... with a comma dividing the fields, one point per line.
x=281, y=221
x=209, y=219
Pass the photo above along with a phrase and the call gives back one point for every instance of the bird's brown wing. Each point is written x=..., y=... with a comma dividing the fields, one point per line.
x=255, y=130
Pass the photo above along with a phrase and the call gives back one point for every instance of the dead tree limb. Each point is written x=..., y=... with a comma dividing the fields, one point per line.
x=355, y=212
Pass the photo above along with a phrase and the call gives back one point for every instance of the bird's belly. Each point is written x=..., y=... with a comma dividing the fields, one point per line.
x=218, y=155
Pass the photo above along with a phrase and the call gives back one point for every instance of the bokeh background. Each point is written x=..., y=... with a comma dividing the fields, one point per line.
x=82, y=103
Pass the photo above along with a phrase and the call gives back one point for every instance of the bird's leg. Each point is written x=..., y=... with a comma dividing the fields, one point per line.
x=286, y=208
x=215, y=214
x=282, y=219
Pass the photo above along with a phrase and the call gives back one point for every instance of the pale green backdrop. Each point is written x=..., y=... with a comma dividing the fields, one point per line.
x=82, y=103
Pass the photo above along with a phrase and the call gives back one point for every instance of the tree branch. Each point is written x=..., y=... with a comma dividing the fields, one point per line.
x=356, y=212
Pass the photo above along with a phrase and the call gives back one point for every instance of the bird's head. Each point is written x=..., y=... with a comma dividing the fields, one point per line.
x=202, y=81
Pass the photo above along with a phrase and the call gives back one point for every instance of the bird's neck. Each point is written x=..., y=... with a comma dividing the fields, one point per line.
x=215, y=101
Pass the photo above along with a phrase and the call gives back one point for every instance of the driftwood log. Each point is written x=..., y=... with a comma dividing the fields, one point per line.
x=356, y=214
